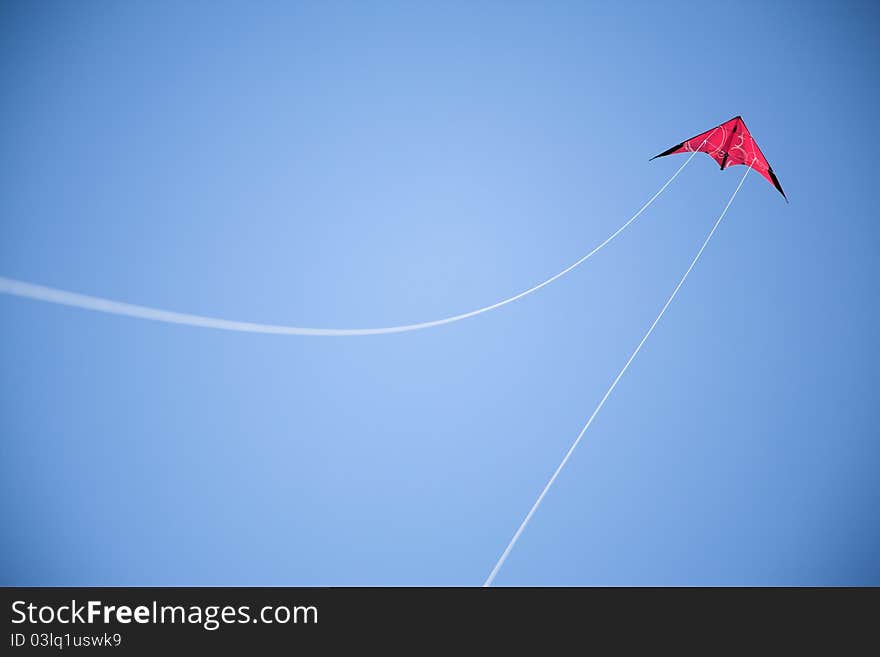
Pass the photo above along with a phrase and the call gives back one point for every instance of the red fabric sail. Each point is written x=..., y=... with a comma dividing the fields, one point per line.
x=729, y=144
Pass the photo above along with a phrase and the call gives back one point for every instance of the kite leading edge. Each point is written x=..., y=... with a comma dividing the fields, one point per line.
x=729, y=144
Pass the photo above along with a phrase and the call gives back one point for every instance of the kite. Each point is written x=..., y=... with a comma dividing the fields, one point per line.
x=729, y=144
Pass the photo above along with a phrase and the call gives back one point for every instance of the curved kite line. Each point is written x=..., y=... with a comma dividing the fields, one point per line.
x=519, y=531
x=65, y=298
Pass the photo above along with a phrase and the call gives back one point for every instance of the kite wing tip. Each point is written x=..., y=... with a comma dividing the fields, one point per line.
x=668, y=151
x=776, y=182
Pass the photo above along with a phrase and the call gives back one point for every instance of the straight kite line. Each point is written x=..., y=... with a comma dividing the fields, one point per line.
x=635, y=353
x=65, y=298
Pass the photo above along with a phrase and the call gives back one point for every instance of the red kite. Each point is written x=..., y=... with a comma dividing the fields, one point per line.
x=729, y=144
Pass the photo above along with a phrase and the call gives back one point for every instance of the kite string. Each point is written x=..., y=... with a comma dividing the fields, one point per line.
x=66, y=298
x=613, y=385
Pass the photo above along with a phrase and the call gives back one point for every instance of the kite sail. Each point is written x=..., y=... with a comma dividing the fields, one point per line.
x=729, y=144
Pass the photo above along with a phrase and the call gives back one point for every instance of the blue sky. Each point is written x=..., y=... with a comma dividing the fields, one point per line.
x=364, y=164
